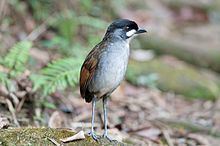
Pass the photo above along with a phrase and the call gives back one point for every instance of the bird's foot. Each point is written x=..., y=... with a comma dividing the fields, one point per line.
x=107, y=137
x=93, y=135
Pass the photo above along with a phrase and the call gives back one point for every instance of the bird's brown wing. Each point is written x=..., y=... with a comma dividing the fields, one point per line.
x=87, y=72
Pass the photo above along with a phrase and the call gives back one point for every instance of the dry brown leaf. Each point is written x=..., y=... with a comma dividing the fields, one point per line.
x=200, y=139
x=78, y=136
x=4, y=123
x=150, y=133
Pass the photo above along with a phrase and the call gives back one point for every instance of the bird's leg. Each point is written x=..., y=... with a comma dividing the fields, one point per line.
x=92, y=133
x=105, y=135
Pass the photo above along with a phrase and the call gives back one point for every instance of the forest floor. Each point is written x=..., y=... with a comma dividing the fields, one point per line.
x=136, y=115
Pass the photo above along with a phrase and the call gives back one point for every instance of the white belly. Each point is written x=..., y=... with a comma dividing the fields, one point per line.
x=111, y=70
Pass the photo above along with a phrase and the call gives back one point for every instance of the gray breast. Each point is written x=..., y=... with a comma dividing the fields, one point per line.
x=111, y=69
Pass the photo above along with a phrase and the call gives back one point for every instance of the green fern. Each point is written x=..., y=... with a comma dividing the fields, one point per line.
x=57, y=75
x=38, y=81
x=17, y=57
x=4, y=79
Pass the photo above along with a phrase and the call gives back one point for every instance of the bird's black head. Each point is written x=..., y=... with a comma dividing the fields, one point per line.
x=124, y=28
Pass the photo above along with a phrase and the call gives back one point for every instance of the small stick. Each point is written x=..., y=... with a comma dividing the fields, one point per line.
x=14, y=98
x=167, y=137
x=39, y=30
x=21, y=103
x=12, y=110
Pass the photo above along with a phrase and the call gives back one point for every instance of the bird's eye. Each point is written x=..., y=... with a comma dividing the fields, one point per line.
x=126, y=28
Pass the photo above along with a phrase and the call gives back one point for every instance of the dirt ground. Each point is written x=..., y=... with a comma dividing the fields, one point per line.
x=136, y=115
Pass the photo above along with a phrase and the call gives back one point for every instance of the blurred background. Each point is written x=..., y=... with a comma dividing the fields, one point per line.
x=172, y=87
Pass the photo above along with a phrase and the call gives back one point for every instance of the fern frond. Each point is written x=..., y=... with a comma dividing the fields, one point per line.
x=58, y=75
x=3, y=78
x=38, y=81
x=17, y=57
x=5, y=81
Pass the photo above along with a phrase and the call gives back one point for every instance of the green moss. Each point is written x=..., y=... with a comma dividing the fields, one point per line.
x=182, y=79
x=39, y=136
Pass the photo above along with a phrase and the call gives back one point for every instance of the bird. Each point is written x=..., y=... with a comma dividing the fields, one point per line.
x=105, y=66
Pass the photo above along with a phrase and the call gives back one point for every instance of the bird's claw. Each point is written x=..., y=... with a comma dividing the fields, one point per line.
x=94, y=136
x=107, y=137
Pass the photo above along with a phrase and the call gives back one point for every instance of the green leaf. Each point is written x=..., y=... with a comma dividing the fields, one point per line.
x=58, y=75
x=4, y=79
x=17, y=57
x=48, y=105
x=38, y=80
x=86, y=5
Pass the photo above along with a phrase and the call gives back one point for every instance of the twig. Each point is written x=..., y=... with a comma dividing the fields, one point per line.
x=14, y=98
x=12, y=110
x=21, y=103
x=37, y=32
x=167, y=137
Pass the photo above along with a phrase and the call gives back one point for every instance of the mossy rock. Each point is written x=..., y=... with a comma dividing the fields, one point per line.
x=177, y=77
x=40, y=136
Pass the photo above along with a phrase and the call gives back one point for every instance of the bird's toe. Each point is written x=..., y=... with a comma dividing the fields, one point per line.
x=107, y=137
x=94, y=136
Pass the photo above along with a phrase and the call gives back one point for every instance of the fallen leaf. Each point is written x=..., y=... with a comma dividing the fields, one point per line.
x=201, y=140
x=4, y=123
x=150, y=133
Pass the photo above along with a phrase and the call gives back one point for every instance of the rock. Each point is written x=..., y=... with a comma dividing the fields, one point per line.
x=43, y=136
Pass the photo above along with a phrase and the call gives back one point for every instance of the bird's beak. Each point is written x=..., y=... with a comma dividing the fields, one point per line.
x=140, y=30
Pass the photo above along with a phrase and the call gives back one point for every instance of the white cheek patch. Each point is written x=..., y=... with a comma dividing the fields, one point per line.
x=130, y=33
